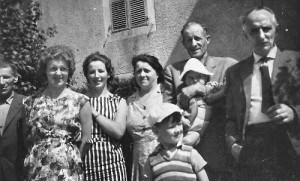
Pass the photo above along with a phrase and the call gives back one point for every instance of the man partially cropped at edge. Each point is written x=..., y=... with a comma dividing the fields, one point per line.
x=12, y=125
x=263, y=108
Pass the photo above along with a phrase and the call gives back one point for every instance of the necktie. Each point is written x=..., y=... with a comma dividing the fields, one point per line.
x=267, y=95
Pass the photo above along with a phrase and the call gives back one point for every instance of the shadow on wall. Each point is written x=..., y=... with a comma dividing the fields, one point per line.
x=223, y=21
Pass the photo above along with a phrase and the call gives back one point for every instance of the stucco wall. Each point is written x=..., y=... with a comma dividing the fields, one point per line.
x=80, y=25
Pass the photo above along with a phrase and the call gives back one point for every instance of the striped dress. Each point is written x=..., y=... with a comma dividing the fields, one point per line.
x=104, y=160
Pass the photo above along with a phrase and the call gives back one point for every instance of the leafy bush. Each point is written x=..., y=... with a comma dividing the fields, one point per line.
x=21, y=41
x=123, y=87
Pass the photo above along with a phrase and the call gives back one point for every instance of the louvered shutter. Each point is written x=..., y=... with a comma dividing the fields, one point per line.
x=137, y=13
x=127, y=14
x=119, y=15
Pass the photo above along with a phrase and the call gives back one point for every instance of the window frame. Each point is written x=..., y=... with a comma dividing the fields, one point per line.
x=111, y=35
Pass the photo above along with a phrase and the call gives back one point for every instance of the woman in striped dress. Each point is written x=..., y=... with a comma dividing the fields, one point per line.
x=104, y=159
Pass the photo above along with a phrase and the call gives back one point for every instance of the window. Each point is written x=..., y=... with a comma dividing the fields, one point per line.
x=128, y=14
x=127, y=18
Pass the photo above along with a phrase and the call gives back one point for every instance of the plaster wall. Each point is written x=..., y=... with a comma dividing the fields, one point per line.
x=80, y=25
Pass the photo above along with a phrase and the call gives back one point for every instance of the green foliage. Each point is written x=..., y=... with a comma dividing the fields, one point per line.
x=21, y=41
x=123, y=87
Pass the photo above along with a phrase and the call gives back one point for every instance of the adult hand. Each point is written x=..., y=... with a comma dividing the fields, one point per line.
x=235, y=151
x=189, y=92
x=185, y=96
x=186, y=114
x=95, y=113
x=281, y=113
x=185, y=121
x=84, y=150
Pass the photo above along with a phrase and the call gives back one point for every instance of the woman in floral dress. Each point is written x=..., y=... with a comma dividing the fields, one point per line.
x=148, y=74
x=59, y=121
x=104, y=160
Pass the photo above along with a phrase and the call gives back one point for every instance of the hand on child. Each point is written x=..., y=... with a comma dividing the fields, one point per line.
x=186, y=114
x=185, y=121
x=189, y=92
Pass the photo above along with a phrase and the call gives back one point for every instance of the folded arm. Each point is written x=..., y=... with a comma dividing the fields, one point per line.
x=114, y=128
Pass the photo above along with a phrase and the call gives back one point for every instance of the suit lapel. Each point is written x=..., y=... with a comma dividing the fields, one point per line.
x=277, y=63
x=15, y=106
x=210, y=64
x=280, y=61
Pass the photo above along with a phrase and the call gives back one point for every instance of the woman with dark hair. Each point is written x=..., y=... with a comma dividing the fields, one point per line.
x=148, y=75
x=104, y=159
x=59, y=121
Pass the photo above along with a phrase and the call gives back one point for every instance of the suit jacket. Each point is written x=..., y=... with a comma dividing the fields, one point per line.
x=212, y=145
x=12, y=149
x=285, y=86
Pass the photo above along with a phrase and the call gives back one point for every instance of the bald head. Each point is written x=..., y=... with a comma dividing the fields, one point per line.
x=259, y=12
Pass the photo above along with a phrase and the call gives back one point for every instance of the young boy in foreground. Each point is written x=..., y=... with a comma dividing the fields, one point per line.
x=171, y=160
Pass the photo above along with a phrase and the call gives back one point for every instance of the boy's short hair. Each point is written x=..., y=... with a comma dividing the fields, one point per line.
x=162, y=111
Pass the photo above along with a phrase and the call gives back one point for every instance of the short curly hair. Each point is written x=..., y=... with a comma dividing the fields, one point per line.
x=96, y=56
x=153, y=62
x=56, y=52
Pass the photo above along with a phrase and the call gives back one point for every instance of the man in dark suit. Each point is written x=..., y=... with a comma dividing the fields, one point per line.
x=263, y=105
x=12, y=125
x=212, y=144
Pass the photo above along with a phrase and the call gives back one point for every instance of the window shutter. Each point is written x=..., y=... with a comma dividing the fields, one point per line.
x=119, y=15
x=138, y=13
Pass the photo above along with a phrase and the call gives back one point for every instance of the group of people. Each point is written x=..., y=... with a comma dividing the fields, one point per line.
x=205, y=118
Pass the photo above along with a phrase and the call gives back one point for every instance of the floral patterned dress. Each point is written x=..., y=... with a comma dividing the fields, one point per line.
x=54, y=130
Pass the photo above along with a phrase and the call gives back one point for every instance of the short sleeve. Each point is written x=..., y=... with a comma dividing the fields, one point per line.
x=197, y=161
x=83, y=99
